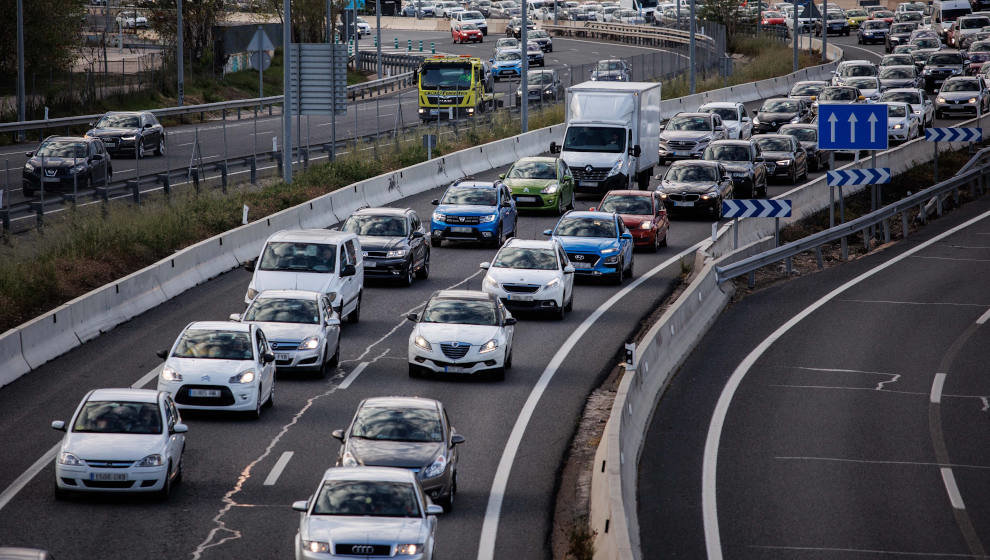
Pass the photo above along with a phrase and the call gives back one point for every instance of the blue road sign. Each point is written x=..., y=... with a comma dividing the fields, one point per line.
x=360, y=4
x=847, y=177
x=953, y=134
x=852, y=127
x=756, y=208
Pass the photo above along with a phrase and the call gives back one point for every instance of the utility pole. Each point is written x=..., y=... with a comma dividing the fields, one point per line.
x=824, y=31
x=21, y=104
x=524, y=78
x=378, y=32
x=691, y=51
x=179, y=58
x=797, y=33
x=286, y=95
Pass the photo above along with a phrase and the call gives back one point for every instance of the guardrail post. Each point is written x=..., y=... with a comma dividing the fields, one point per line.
x=254, y=169
x=886, y=231
x=166, y=181
x=5, y=220
x=938, y=205
x=788, y=266
x=194, y=172
x=904, y=224
x=409, y=46
x=278, y=159
x=818, y=256
x=866, y=239
x=135, y=186
x=223, y=176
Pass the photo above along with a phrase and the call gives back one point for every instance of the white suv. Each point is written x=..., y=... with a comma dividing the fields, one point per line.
x=470, y=16
x=530, y=274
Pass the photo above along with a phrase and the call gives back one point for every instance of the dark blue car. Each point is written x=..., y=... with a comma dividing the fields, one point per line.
x=474, y=211
x=598, y=244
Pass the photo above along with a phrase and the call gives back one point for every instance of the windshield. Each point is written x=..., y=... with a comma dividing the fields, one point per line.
x=62, y=149
x=398, y=424
x=802, y=134
x=772, y=15
x=470, y=196
x=727, y=113
x=607, y=65
x=595, y=139
x=727, y=153
x=446, y=76
x=874, y=25
x=469, y=26
x=961, y=85
x=537, y=34
x=214, y=345
x=376, y=226
x=863, y=83
x=807, y=89
x=700, y=124
x=889, y=73
x=945, y=58
x=506, y=43
x=979, y=46
x=974, y=22
x=109, y=417
x=539, y=77
x=298, y=257
x=119, y=121
x=780, y=106
x=283, y=310
x=858, y=70
x=839, y=94
x=471, y=15
x=979, y=57
x=902, y=97
x=773, y=144
x=902, y=28
x=508, y=56
x=951, y=15
x=896, y=60
x=372, y=498
x=896, y=111
x=906, y=49
x=627, y=204
x=856, y=13
x=533, y=170
x=927, y=43
x=691, y=174
x=459, y=312
x=577, y=226
x=530, y=259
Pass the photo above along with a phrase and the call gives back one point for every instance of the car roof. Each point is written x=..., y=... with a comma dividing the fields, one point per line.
x=692, y=114
x=475, y=184
x=310, y=235
x=530, y=243
x=694, y=162
x=381, y=211
x=124, y=394
x=135, y=113
x=385, y=474
x=402, y=402
x=544, y=159
x=588, y=214
x=756, y=136
x=811, y=82
x=288, y=294
x=721, y=105
x=219, y=326
x=731, y=142
x=625, y=192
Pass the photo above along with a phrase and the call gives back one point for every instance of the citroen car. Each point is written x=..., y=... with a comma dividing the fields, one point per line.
x=66, y=164
x=785, y=151
x=807, y=135
x=531, y=275
x=474, y=211
x=744, y=163
x=735, y=118
x=778, y=111
x=598, y=244
x=130, y=133
x=902, y=124
x=696, y=186
x=540, y=183
x=686, y=135
x=393, y=242
x=643, y=213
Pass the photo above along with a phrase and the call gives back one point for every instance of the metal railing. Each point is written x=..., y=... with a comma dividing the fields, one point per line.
x=972, y=175
x=658, y=36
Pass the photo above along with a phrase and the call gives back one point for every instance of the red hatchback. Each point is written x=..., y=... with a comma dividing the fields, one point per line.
x=466, y=33
x=643, y=213
x=774, y=18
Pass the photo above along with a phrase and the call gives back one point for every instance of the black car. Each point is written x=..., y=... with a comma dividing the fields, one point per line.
x=900, y=34
x=779, y=111
x=66, y=163
x=483, y=6
x=785, y=154
x=514, y=28
x=898, y=77
x=394, y=243
x=940, y=66
x=903, y=59
x=744, y=163
x=543, y=85
x=696, y=185
x=807, y=89
x=611, y=70
x=807, y=135
x=122, y=131
x=837, y=25
x=542, y=38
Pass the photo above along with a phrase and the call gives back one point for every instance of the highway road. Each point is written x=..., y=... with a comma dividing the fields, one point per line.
x=841, y=414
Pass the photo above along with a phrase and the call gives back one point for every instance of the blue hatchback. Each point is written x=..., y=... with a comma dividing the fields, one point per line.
x=507, y=64
x=474, y=211
x=597, y=244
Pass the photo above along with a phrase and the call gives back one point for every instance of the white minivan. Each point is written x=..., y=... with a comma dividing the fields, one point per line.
x=944, y=12
x=316, y=260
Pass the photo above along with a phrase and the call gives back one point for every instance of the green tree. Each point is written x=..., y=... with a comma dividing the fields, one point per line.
x=726, y=12
x=309, y=17
x=52, y=33
x=198, y=19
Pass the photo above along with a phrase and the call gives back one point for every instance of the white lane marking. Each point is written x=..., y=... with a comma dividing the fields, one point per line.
x=878, y=552
x=868, y=51
x=489, y=529
x=353, y=375
x=843, y=388
x=952, y=259
x=278, y=468
x=912, y=302
x=184, y=144
x=936, y=395
x=984, y=318
x=709, y=505
x=894, y=377
x=882, y=462
x=955, y=498
x=21, y=481
x=969, y=246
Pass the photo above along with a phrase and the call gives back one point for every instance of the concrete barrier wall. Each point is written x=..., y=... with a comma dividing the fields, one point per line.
x=495, y=26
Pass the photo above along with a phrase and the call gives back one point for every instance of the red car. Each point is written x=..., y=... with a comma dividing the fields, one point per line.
x=466, y=33
x=643, y=213
x=773, y=18
x=885, y=15
x=976, y=61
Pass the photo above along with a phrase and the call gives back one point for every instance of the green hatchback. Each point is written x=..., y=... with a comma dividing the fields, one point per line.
x=540, y=183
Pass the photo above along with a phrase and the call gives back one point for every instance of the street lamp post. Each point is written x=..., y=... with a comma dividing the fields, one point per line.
x=180, y=60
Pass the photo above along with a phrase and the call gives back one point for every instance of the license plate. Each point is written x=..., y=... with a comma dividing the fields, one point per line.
x=370, y=264
x=587, y=184
x=526, y=199
x=521, y=297
x=681, y=153
x=112, y=476
x=49, y=179
x=281, y=356
x=683, y=203
x=434, y=111
x=207, y=393
x=580, y=264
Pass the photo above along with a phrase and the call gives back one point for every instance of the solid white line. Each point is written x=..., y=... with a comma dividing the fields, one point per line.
x=936, y=395
x=952, y=259
x=881, y=462
x=983, y=318
x=955, y=498
x=912, y=302
x=709, y=505
x=877, y=552
x=353, y=375
x=489, y=529
x=146, y=378
x=278, y=468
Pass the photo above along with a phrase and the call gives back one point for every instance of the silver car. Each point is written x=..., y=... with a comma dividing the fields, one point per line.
x=902, y=124
x=916, y=98
x=366, y=512
x=962, y=94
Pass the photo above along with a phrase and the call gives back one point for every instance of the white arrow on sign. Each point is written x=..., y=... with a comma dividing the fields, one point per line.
x=873, y=127
x=831, y=121
x=852, y=128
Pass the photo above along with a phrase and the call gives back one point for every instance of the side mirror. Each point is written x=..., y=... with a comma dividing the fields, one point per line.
x=28, y=154
x=509, y=321
x=484, y=265
x=569, y=269
x=592, y=209
x=337, y=434
x=301, y=505
x=432, y=509
x=412, y=317
x=501, y=175
x=635, y=151
x=163, y=354
x=626, y=235
x=249, y=265
x=147, y=125
x=436, y=202
x=554, y=149
x=548, y=232
x=235, y=317
x=418, y=234
x=267, y=358
x=348, y=270
x=180, y=428
x=58, y=425
x=456, y=439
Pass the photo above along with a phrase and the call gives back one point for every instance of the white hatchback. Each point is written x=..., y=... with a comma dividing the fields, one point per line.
x=220, y=365
x=735, y=118
x=531, y=275
x=121, y=440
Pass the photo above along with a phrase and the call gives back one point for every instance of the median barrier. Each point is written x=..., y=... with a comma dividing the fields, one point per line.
x=380, y=190
x=12, y=362
x=214, y=257
x=317, y=213
x=94, y=313
x=245, y=242
x=136, y=293
x=47, y=337
x=178, y=273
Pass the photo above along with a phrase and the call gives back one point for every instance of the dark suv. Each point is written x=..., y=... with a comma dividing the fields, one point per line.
x=941, y=66
x=66, y=163
x=744, y=163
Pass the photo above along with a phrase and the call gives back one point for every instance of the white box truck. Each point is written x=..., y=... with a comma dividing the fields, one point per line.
x=613, y=135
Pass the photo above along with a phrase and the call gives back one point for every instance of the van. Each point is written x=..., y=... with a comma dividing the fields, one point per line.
x=944, y=12
x=315, y=260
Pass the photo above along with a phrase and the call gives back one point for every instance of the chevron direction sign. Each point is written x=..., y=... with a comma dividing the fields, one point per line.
x=846, y=177
x=756, y=208
x=953, y=134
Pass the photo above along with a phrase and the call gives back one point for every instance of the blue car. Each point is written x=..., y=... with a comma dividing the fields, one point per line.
x=507, y=64
x=597, y=244
x=474, y=211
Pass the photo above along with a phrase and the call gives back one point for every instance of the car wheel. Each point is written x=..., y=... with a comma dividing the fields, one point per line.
x=436, y=242
x=424, y=271
x=499, y=238
x=409, y=275
x=166, y=490
x=569, y=306
x=630, y=272
x=561, y=207
x=570, y=205
x=794, y=177
x=161, y=146
x=324, y=364
x=804, y=174
x=271, y=395
x=656, y=242
x=717, y=211
x=256, y=413
x=355, y=316
x=140, y=149
x=620, y=274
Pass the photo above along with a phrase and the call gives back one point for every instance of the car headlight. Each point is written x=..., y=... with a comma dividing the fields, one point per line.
x=489, y=218
x=170, y=374
x=971, y=100
x=616, y=167
x=316, y=546
x=439, y=217
x=490, y=282
x=422, y=343
x=436, y=468
x=898, y=126
x=66, y=458
x=756, y=120
x=309, y=344
x=550, y=189
x=348, y=460
x=129, y=138
x=796, y=119
x=646, y=225
x=396, y=253
x=610, y=251
x=245, y=376
x=408, y=549
x=612, y=260
x=29, y=167
x=552, y=283
x=709, y=195
x=548, y=91
x=784, y=162
x=252, y=293
x=941, y=100
x=489, y=346
x=153, y=460
x=594, y=78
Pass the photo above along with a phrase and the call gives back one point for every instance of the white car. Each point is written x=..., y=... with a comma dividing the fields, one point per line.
x=366, y=512
x=844, y=70
x=735, y=118
x=921, y=105
x=902, y=124
x=444, y=8
x=131, y=20
x=868, y=86
x=531, y=275
x=302, y=329
x=462, y=332
x=121, y=440
x=470, y=16
x=220, y=365
x=363, y=27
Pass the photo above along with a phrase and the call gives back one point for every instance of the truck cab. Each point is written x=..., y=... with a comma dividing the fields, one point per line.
x=454, y=86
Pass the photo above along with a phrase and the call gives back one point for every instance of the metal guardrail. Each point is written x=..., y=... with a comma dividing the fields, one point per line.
x=657, y=36
x=972, y=175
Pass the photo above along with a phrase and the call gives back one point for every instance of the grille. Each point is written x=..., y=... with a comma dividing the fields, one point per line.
x=520, y=288
x=444, y=99
x=583, y=258
x=55, y=171
x=465, y=220
x=226, y=398
x=108, y=483
x=596, y=173
x=363, y=549
x=522, y=203
x=681, y=144
x=684, y=197
x=453, y=353
x=284, y=345
x=376, y=254
x=108, y=464
x=466, y=365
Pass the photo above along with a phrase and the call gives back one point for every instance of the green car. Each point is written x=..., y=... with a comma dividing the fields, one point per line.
x=540, y=183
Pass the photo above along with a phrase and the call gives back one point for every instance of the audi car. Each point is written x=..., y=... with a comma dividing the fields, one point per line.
x=130, y=134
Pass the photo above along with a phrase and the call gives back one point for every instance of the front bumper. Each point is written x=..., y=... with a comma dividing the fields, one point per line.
x=899, y=134
x=767, y=128
x=617, y=181
x=537, y=201
x=594, y=264
x=130, y=479
x=962, y=107
x=305, y=554
x=473, y=232
x=450, y=113
x=232, y=398
x=668, y=152
x=542, y=299
x=506, y=72
x=643, y=237
x=472, y=363
x=61, y=183
x=386, y=268
x=689, y=202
